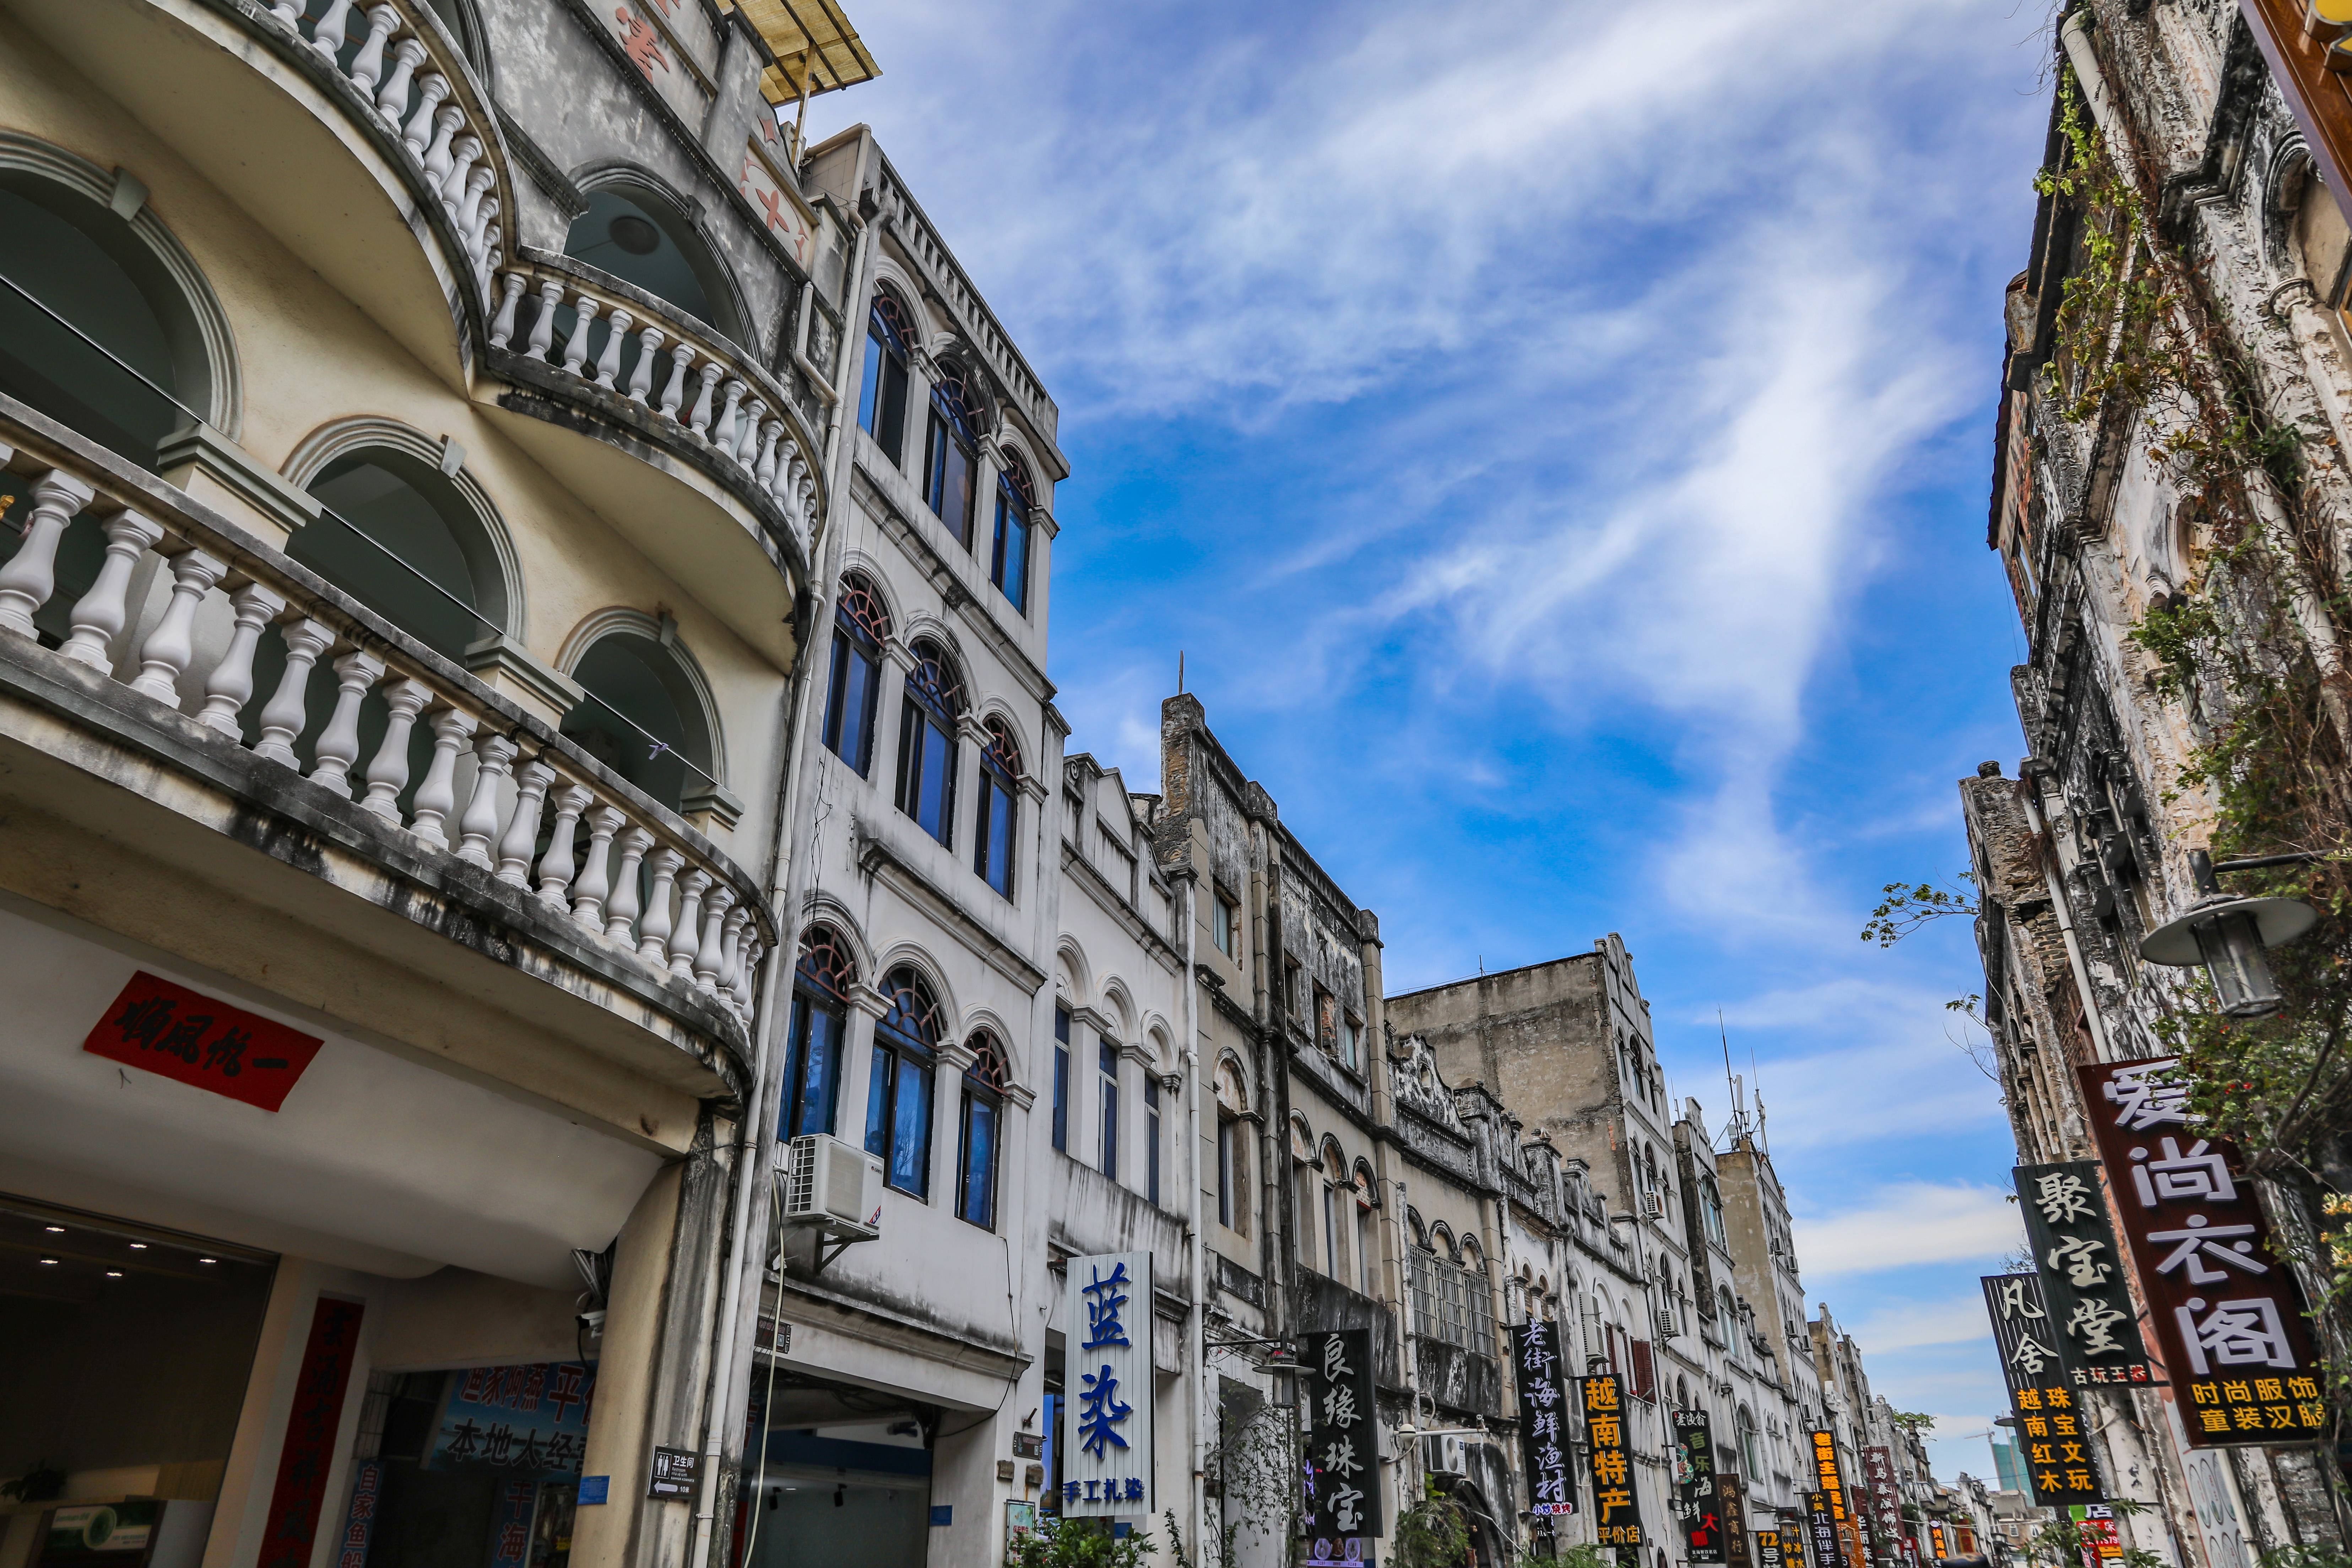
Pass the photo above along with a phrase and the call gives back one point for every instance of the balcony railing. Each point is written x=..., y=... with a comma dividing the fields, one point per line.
x=503, y=791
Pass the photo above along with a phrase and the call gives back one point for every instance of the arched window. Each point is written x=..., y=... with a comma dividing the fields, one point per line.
x=1106, y=1105
x=861, y=626
x=1016, y=501
x=632, y=232
x=1338, y=1214
x=1366, y=1249
x=984, y=1083
x=1232, y=1150
x=1711, y=1205
x=898, y=1096
x=927, y=741
x=1728, y=1316
x=1150, y=1136
x=950, y=455
x=995, y=839
x=644, y=716
x=821, y=986
x=1751, y=1459
x=400, y=538
x=882, y=407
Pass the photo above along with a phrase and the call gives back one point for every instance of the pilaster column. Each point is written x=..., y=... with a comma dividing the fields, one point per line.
x=866, y=1006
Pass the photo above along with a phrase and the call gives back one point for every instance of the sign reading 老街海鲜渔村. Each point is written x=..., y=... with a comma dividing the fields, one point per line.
x=1545, y=1428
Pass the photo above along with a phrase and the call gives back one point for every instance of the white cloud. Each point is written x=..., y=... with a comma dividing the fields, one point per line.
x=1909, y=1223
x=1909, y=1325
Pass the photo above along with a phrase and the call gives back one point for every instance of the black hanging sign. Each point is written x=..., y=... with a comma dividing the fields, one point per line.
x=1544, y=1426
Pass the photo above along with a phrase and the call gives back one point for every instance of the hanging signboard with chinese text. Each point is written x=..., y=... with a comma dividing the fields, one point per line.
x=2092, y=1320
x=2228, y=1315
x=2050, y=1426
x=1342, y=1501
x=1767, y=1550
x=1731, y=1508
x=1793, y=1538
x=1830, y=1480
x=531, y=1419
x=166, y=1029
x=1694, y=1502
x=1821, y=1528
x=1883, y=1505
x=1106, y=1441
x=1544, y=1426
x=1616, y=1501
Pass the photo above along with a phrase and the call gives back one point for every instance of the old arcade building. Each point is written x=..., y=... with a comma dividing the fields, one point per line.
x=416, y=420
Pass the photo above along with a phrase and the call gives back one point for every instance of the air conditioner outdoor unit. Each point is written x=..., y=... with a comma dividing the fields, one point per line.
x=1653, y=1207
x=1667, y=1328
x=833, y=1184
x=1446, y=1455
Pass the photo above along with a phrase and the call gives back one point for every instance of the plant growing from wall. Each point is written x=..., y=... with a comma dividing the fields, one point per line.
x=1432, y=1533
x=1081, y=1543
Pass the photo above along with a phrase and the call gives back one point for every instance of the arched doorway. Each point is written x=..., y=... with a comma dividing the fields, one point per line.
x=400, y=538
x=645, y=716
x=633, y=234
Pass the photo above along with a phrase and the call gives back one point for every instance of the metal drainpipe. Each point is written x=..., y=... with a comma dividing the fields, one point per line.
x=1194, y=1347
x=2032, y=796
x=754, y=1134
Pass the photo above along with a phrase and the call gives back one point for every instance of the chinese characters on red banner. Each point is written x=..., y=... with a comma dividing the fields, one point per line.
x=1617, y=1504
x=1885, y=1504
x=2227, y=1313
x=180, y=1033
x=310, y=1450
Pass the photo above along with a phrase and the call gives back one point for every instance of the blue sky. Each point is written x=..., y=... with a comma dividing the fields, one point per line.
x=1557, y=436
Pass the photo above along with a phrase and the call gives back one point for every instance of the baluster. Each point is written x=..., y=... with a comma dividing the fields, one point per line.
x=289, y=12
x=608, y=363
x=436, y=797
x=494, y=758
x=338, y=744
x=641, y=374
x=171, y=644
x=502, y=330
x=709, y=954
x=731, y=951
x=622, y=912
x=282, y=719
x=688, y=936
x=488, y=253
x=387, y=774
x=430, y=89
x=479, y=181
x=674, y=392
x=699, y=420
x=595, y=878
x=575, y=347
x=367, y=66
x=788, y=457
x=764, y=473
x=478, y=235
x=464, y=153
x=542, y=328
x=555, y=866
x=98, y=619
x=328, y=33
x=747, y=967
x=406, y=56
x=523, y=832
x=31, y=575
x=747, y=445
x=445, y=122
x=653, y=943
x=722, y=435
x=230, y=684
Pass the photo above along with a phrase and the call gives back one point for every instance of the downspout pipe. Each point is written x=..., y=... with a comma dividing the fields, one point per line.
x=756, y=1133
x=2032, y=797
x=1195, y=1349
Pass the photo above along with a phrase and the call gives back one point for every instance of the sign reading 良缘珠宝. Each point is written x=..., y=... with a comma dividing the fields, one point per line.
x=2048, y=1408
x=2093, y=1322
x=1544, y=1431
x=1106, y=1439
x=1616, y=1501
x=1341, y=1478
x=2227, y=1313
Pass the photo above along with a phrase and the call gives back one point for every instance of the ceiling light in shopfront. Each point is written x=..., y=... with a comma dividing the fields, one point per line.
x=49, y=1263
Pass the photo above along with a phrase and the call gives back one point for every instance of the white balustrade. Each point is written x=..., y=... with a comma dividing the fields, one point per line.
x=337, y=746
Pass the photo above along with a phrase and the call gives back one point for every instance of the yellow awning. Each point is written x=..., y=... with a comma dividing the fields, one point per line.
x=816, y=50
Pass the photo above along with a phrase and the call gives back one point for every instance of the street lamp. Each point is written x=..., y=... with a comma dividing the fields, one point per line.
x=2227, y=935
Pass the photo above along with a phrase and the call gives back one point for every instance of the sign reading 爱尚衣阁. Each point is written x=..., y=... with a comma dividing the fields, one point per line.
x=1544, y=1428
x=1340, y=1502
x=2043, y=1398
x=1616, y=1501
x=2227, y=1314
x=1106, y=1438
x=2093, y=1322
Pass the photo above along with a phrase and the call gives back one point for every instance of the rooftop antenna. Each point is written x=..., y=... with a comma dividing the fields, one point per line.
x=1180, y=672
x=1758, y=1073
x=1738, y=1123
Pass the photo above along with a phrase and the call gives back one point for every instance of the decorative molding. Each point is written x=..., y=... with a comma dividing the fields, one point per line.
x=506, y=665
x=543, y=171
x=199, y=449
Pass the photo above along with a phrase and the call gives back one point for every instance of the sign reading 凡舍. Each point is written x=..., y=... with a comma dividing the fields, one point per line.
x=1105, y=1442
x=2048, y=1410
x=2227, y=1313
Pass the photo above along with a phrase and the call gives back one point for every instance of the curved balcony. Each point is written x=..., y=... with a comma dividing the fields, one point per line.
x=387, y=171
x=247, y=726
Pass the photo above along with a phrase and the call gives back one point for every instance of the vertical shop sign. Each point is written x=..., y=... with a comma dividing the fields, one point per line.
x=2092, y=1322
x=310, y=1450
x=1793, y=1537
x=1831, y=1481
x=1694, y=1502
x=1543, y=1418
x=359, y=1521
x=1107, y=1450
x=2094, y=1526
x=1885, y=1504
x=1342, y=1473
x=510, y=1524
x=1821, y=1529
x=2048, y=1408
x=1936, y=1540
x=2228, y=1315
x=1731, y=1508
x=1767, y=1549
x=1616, y=1501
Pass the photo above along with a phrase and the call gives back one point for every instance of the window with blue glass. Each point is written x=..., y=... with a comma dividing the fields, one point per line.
x=821, y=986
x=1107, y=1055
x=950, y=455
x=882, y=406
x=995, y=839
x=927, y=741
x=1062, y=1079
x=984, y=1083
x=1151, y=1137
x=1016, y=503
x=861, y=626
x=898, y=1091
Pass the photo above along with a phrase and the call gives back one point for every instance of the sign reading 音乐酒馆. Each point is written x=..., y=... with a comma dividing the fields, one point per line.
x=1342, y=1477
x=2093, y=1323
x=2227, y=1312
x=1695, y=1500
x=1545, y=1428
x=2053, y=1433
x=1106, y=1437
x=1616, y=1501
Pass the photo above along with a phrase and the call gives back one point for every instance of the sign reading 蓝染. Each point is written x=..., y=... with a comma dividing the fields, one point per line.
x=1106, y=1439
x=1616, y=1501
x=2093, y=1322
x=1544, y=1427
x=1341, y=1501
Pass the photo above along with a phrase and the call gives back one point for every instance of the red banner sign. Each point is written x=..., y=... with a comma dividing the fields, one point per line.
x=187, y=1036
x=309, y=1448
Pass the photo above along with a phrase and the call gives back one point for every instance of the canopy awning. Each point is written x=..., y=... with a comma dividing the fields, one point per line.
x=816, y=50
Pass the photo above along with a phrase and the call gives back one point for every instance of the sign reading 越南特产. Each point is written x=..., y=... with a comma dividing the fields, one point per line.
x=1616, y=1501
x=1106, y=1439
